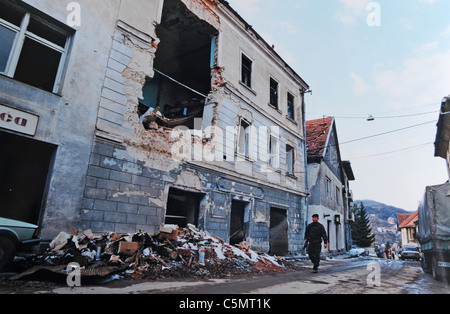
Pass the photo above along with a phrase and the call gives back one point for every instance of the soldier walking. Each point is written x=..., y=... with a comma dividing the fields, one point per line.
x=315, y=233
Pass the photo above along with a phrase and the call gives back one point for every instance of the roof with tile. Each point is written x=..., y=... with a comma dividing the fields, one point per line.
x=317, y=132
x=409, y=222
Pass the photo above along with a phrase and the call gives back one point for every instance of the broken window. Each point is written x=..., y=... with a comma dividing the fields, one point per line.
x=183, y=207
x=274, y=93
x=32, y=49
x=290, y=159
x=290, y=106
x=243, y=145
x=182, y=66
x=247, y=65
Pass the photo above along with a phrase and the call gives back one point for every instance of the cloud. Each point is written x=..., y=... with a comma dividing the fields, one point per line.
x=430, y=2
x=351, y=10
x=245, y=7
x=421, y=77
x=359, y=85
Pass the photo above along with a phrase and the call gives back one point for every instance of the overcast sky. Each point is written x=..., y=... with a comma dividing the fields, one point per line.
x=397, y=70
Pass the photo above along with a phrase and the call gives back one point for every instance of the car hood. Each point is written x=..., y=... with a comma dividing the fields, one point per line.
x=5, y=222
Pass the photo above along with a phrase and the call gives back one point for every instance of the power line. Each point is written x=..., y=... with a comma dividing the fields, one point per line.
x=385, y=133
x=393, y=152
x=385, y=117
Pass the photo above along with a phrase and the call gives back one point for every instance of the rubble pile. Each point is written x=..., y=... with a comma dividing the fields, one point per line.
x=172, y=252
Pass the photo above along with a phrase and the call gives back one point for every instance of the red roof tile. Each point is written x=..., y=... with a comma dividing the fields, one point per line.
x=402, y=217
x=409, y=222
x=317, y=134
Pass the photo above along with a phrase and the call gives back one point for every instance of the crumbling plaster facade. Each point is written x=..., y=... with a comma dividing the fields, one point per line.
x=130, y=170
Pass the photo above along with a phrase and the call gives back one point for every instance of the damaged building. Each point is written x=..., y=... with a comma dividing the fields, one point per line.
x=166, y=112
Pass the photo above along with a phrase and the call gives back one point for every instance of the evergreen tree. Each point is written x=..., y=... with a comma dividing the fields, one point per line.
x=361, y=230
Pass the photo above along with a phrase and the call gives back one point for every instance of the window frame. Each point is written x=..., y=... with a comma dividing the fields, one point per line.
x=290, y=105
x=247, y=139
x=328, y=187
x=274, y=156
x=338, y=192
x=291, y=164
x=274, y=96
x=249, y=71
x=22, y=34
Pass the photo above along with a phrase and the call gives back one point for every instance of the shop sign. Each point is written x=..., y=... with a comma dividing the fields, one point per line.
x=18, y=121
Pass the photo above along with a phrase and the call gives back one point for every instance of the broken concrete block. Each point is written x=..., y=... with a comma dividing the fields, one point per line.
x=60, y=241
x=128, y=248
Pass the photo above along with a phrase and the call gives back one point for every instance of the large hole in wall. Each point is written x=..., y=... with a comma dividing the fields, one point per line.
x=183, y=207
x=177, y=93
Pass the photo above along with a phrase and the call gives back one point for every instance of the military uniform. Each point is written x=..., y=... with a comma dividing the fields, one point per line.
x=315, y=233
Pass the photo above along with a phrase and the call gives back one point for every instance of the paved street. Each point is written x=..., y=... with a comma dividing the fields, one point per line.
x=350, y=276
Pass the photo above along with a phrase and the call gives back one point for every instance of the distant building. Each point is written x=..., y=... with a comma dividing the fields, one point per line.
x=328, y=181
x=407, y=225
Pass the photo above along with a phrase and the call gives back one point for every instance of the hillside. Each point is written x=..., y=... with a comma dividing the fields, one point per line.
x=383, y=220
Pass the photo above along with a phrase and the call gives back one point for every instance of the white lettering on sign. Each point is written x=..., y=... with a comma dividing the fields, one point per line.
x=19, y=121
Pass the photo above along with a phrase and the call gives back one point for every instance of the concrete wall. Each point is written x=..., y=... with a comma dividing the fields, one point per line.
x=68, y=119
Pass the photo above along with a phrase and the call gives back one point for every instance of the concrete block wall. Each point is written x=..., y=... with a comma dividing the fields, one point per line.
x=118, y=192
x=123, y=195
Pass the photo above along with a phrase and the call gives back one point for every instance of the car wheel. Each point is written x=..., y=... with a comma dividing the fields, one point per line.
x=7, y=252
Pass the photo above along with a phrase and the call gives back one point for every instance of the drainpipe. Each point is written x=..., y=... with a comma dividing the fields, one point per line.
x=303, y=92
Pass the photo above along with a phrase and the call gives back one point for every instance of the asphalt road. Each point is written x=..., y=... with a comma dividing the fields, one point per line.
x=350, y=276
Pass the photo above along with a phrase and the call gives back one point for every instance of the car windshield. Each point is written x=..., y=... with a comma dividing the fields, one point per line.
x=412, y=249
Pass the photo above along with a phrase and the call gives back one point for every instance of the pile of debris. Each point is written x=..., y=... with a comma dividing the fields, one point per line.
x=172, y=252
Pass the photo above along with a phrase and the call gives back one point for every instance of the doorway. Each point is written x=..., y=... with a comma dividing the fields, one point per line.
x=237, y=222
x=183, y=207
x=24, y=172
x=278, y=234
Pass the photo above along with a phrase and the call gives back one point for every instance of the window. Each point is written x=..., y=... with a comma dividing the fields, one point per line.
x=32, y=50
x=290, y=159
x=290, y=106
x=247, y=65
x=274, y=151
x=328, y=186
x=243, y=146
x=274, y=93
x=338, y=192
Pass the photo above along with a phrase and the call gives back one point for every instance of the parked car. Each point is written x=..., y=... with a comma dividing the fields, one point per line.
x=356, y=251
x=410, y=252
x=15, y=236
